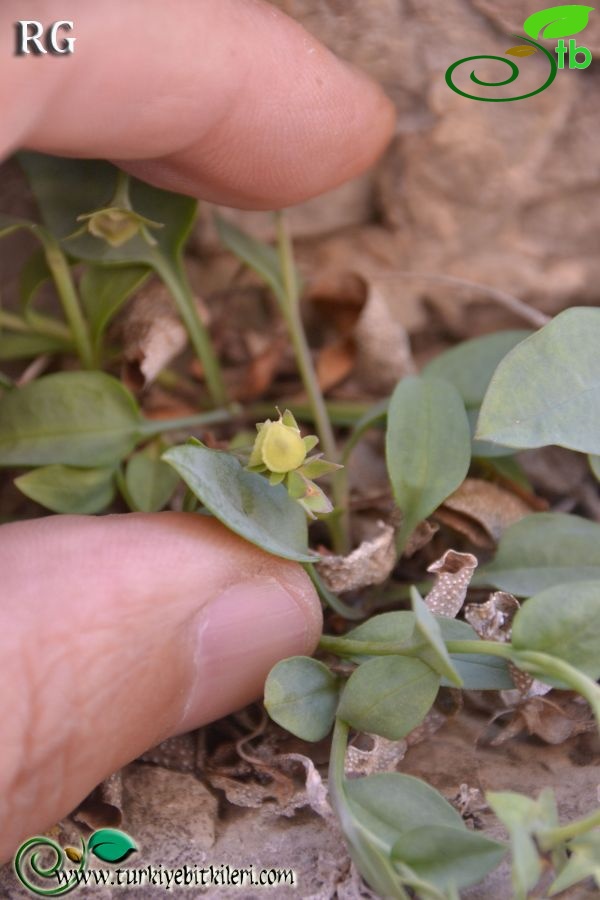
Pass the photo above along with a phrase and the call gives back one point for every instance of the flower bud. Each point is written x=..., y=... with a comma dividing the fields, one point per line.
x=282, y=448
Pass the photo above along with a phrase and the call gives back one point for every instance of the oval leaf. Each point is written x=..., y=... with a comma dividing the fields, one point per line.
x=301, y=695
x=389, y=804
x=521, y=50
x=65, y=489
x=150, y=482
x=547, y=390
x=244, y=501
x=104, y=289
x=66, y=188
x=542, y=550
x=470, y=365
x=389, y=696
x=558, y=21
x=111, y=845
x=445, y=856
x=428, y=447
x=563, y=621
x=85, y=419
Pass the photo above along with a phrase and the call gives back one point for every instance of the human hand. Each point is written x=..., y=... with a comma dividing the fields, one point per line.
x=119, y=631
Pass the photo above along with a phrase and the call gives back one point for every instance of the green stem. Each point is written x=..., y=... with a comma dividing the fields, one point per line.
x=553, y=837
x=290, y=307
x=331, y=599
x=492, y=648
x=174, y=277
x=152, y=427
x=35, y=324
x=339, y=412
x=540, y=664
x=65, y=287
x=372, y=860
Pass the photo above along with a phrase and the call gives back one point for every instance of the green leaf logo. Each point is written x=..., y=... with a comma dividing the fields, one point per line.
x=111, y=845
x=521, y=50
x=557, y=21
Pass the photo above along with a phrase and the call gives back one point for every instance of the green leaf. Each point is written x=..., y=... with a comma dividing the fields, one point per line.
x=542, y=550
x=111, y=845
x=301, y=695
x=66, y=188
x=485, y=449
x=390, y=804
x=524, y=818
x=478, y=671
x=547, y=390
x=33, y=275
x=445, y=855
x=557, y=21
x=436, y=654
x=428, y=447
x=24, y=346
x=470, y=365
x=563, y=621
x=105, y=289
x=521, y=50
x=261, y=258
x=389, y=696
x=85, y=419
x=244, y=501
x=65, y=489
x=150, y=482
x=584, y=862
x=392, y=626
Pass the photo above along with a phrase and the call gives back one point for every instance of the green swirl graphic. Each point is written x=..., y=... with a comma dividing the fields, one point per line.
x=22, y=863
x=512, y=77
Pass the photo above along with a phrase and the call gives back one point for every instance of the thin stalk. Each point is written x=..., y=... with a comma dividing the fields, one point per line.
x=290, y=305
x=331, y=599
x=65, y=287
x=374, y=862
x=541, y=664
x=174, y=277
x=35, y=324
x=553, y=837
x=152, y=427
x=339, y=412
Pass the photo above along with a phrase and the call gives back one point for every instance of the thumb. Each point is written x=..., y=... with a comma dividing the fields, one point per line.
x=119, y=631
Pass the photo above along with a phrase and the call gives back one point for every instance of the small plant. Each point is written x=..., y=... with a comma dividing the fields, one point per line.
x=83, y=437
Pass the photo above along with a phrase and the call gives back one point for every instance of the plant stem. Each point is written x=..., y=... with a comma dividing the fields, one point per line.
x=65, y=287
x=35, y=324
x=492, y=648
x=540, y=664
x=339, y=412
x=152, y=427
x=290, y=306
x=331, y=599
x=553, y=837
x=173, y=275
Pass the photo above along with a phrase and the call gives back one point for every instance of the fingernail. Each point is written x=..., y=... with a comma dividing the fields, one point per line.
x=239, y=636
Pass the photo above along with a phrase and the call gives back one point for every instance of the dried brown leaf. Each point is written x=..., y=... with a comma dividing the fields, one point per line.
x=482, y=511
x=335, y=363
x=453, y=573
x=152, y=335
x=553, y=721
x=371, y=563
x=384, y=354
x=103, y=808
x=492, y=620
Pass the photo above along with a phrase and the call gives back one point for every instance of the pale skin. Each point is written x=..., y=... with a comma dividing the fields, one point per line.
x=118, y=631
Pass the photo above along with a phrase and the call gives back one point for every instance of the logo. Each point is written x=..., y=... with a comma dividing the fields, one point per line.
x=554, y=22
x=107, y=844
x=24, y=38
